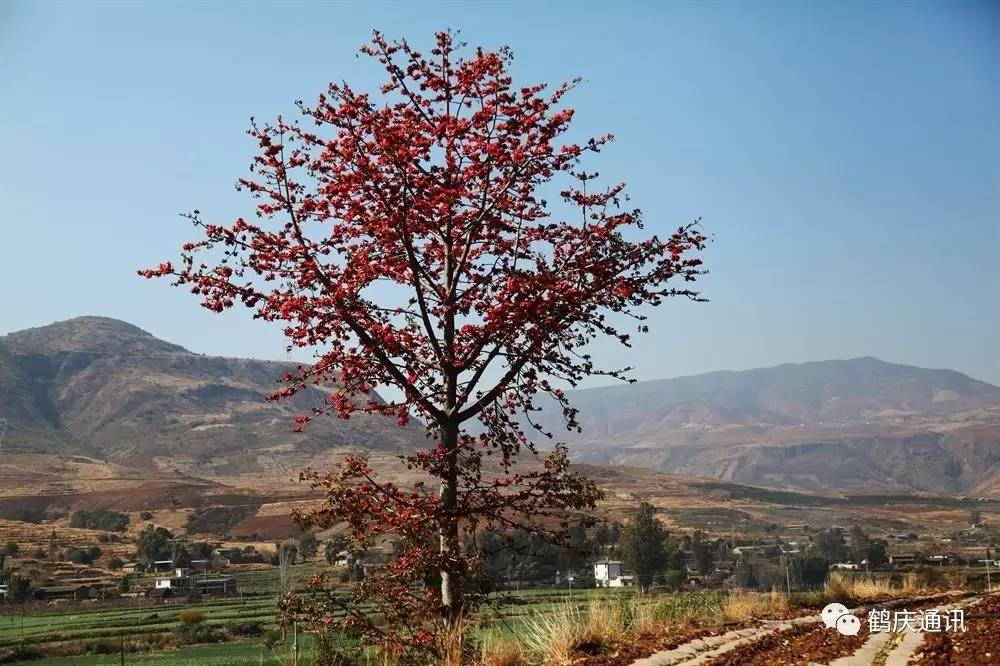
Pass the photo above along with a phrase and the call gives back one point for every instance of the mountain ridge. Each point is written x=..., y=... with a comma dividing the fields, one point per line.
x=856, y=423
x=106, y=388
x=101, y=387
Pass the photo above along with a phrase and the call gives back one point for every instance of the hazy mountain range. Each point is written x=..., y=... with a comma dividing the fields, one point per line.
x=859, y=423
x=106, y=389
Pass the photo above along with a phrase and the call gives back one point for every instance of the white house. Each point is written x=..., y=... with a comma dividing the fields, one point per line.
x=608, y=573
x=179, y=581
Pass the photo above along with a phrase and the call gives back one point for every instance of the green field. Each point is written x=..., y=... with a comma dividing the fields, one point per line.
x=101, y=628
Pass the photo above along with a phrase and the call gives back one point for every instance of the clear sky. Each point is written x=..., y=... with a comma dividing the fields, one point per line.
x=846, y=157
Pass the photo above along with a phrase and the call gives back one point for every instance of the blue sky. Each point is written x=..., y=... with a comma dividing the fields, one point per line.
x=846, y=157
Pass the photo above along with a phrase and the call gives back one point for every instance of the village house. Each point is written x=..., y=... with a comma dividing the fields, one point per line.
x=133, y=567
x=181, y=583
x=215, y=586
x=65, y=592
x=608, y=573
x=177, y=582
x=902, y=559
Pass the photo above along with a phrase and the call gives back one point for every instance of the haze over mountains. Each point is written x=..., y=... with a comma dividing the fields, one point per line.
x=859, y=423
x=106, y=389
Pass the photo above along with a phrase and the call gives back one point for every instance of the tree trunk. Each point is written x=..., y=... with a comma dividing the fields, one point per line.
x=451, y=580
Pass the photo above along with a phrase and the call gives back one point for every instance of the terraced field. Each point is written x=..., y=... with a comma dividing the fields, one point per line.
x=148, y=630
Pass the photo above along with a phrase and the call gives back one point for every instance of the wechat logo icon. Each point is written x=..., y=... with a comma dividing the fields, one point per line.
x=835, y=616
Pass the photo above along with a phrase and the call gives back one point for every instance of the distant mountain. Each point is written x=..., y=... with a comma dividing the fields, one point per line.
x=860, y=423
x=107, y=389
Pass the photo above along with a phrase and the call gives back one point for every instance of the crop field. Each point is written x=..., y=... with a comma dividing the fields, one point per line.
x=146, y=628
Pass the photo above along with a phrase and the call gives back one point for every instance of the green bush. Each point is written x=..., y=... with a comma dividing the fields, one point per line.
x=100, y=518
x=191, y=634
x=244, y=628
x=673, y=579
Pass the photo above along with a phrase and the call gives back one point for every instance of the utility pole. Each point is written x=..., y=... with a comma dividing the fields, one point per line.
x=989, y=586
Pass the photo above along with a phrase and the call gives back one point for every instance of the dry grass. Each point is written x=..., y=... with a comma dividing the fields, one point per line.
x=852, y=589
x=748, y=605
x=498, y=652
x=552, y=637
x=557, y=636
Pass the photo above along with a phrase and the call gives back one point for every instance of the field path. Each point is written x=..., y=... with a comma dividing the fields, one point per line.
x=872, y=651
x=701, y=650
x=882, y=649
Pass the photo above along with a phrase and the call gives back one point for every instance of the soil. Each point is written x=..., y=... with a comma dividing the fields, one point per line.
x=644, y=645
x=803, y=644
x=979, y=645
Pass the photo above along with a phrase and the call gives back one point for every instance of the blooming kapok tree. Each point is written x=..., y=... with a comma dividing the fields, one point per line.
x=406, y=238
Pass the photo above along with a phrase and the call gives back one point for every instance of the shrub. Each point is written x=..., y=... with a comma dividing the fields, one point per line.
x=244, y=628
x=190, y=634
x=115, y=562
x=146, y=515
x=21, y=652
x=27, y=515
x=271, y=638
x=79, y=556
x=100, y=518
x=189, y=616
x=11, y=549
x=673, y=579
x=104, y=646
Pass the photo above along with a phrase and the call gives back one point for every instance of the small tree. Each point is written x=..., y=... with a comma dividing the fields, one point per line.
x=830, y=544
x=411, y=242
x=179, y=556
x=643, y=546
x=18, y=589
x=53, y=554
x=153, y=544
x=308, y=546
x=701, y=552
x=11, y=549
x=333, y=547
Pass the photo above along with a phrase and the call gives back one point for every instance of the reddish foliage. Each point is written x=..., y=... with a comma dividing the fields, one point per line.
x=409, y=242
